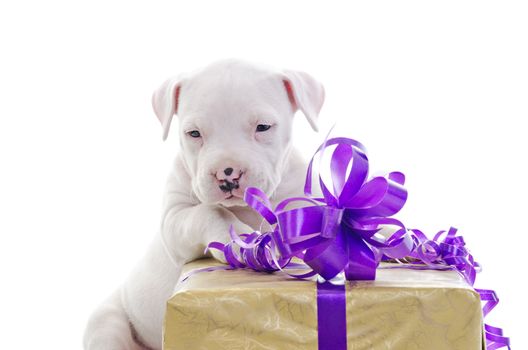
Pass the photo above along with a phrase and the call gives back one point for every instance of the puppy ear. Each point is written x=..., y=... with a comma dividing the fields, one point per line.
x=165, y=103
x=305, y=93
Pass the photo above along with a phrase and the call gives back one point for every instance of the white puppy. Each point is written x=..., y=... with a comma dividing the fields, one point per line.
x=235, y=123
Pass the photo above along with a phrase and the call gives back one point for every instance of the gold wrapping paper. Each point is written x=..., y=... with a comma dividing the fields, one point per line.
x=242, y=309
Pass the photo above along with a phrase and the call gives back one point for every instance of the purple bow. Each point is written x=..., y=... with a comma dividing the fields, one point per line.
x=335, y=233
x=340, y=235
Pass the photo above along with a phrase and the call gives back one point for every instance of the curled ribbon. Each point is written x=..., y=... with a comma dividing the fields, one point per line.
x=445, y=251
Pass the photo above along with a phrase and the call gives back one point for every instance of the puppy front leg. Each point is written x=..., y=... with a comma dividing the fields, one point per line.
x=186, y=230
x=189, y=230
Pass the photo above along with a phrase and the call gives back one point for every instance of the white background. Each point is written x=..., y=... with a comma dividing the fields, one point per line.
x=435, y=90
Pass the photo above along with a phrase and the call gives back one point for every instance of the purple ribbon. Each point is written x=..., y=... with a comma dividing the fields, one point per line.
x=445, y=250
x=331, y=316
x=495, y=338
x=339, y=233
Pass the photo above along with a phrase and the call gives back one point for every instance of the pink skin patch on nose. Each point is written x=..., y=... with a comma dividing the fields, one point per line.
x=229, y=186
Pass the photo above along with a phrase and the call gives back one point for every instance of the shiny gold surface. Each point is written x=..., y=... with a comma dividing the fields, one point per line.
x=402, y=309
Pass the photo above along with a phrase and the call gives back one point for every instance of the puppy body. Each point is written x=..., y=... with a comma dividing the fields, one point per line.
x=226, y=104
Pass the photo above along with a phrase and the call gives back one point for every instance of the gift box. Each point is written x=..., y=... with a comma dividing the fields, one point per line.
x=403, y=308
x=325, y=277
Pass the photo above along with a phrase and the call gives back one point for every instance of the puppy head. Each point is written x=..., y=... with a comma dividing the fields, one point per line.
x=235, y=122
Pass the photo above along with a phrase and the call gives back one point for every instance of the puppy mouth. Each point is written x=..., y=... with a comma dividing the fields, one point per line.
x=232, y=195
x=232, y=199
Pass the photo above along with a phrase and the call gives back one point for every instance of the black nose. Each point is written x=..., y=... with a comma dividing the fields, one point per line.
x=228, y=171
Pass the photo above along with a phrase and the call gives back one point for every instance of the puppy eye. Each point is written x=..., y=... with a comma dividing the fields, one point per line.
x=263, y=127
x=194, y=133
